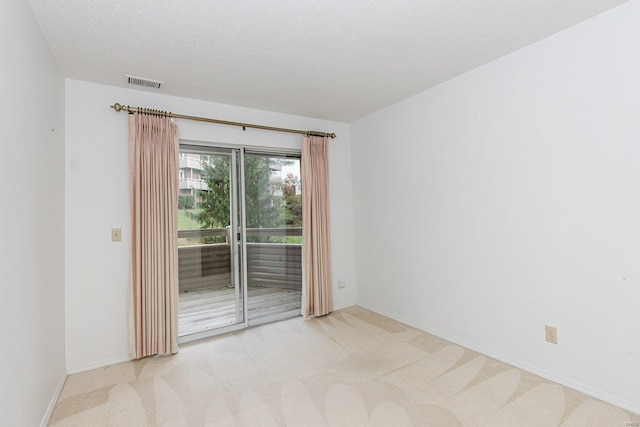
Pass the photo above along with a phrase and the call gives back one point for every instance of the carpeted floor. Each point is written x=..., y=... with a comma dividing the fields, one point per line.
x=351, y=368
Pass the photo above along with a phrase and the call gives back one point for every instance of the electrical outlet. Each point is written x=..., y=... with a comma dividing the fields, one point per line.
x=551, y=334
x=116, y=234
x=342, y=284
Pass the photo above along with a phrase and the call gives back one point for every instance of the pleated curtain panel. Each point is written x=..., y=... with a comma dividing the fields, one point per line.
x=317, y=290
x=153, y=170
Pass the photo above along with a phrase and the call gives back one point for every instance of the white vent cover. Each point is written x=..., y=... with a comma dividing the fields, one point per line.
x=141, y=81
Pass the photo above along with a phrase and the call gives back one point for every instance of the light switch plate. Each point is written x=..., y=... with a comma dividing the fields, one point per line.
x=116, y=234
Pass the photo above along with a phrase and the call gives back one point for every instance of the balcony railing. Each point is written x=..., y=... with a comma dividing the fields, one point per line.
x=251, y=233
x=198, y=184
x=203, y=265
x=191, y=163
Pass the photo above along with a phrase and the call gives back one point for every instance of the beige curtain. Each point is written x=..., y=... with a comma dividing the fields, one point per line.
x=153, y=173
x=317, y=291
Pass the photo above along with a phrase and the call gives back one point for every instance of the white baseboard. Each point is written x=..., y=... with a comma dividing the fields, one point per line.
x=52, y=403
x=583, y=388
x=96, y=365
x=344, y=305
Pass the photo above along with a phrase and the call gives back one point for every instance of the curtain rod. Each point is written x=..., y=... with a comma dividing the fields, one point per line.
x=118, y=107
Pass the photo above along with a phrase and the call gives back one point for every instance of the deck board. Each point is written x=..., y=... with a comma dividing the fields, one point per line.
x=209, y=308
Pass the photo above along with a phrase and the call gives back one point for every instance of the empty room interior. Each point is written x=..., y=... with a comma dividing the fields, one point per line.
x=378, y=213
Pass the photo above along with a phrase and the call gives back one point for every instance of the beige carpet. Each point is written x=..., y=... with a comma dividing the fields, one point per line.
x=352, y=368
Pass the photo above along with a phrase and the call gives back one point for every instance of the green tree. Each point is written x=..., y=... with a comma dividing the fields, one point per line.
x=265, y=207
x=214, y=202
x=263, y=199
x=292, y=201
x=186, y=201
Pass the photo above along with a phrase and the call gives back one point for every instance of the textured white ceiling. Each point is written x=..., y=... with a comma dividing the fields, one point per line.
x=331, y=59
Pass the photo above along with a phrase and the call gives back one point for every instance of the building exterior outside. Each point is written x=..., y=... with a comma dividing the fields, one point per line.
x=192, y=174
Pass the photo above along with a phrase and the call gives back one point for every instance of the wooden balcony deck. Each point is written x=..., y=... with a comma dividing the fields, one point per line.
x=274, y=276
x=210, y=308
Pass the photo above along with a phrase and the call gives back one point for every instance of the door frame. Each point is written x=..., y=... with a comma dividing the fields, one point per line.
x=238, y=213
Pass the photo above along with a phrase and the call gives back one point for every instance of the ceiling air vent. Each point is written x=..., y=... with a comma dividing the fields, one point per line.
x=141, y=81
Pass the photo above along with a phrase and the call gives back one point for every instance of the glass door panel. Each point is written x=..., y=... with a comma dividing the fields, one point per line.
x=273, y=233
x=210, y=286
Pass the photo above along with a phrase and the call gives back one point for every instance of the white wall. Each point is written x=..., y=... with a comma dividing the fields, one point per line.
x=32, y=218
x=97, y=195
x=509, y=198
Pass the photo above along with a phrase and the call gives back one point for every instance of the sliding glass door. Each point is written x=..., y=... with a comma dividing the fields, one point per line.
x=239, y=239
x=273, y=201
x=211, y=293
